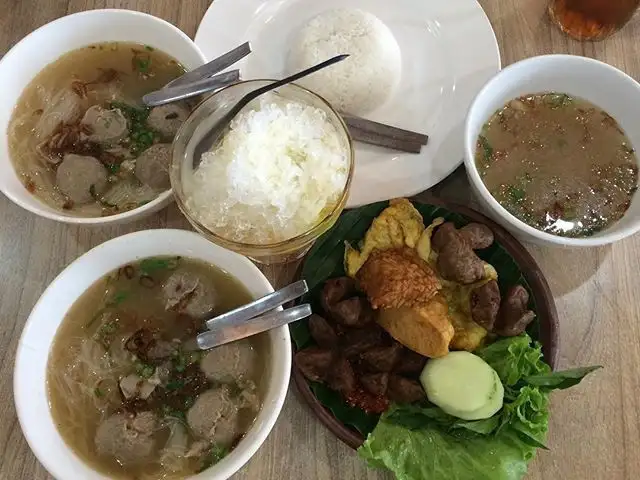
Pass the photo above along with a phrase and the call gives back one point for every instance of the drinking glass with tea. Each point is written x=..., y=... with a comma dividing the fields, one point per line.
x=591, y=19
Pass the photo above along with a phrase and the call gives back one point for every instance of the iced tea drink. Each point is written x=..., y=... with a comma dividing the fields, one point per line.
x=591, y=19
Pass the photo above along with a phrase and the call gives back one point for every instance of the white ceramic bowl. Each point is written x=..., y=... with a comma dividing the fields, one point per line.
x=29, y=387
x=605, y=86
x=45, y=45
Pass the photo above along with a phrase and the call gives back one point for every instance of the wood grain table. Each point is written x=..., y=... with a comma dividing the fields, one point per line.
x=595, y=428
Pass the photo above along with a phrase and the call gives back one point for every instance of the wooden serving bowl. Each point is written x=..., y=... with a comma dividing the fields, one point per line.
x=545, y=311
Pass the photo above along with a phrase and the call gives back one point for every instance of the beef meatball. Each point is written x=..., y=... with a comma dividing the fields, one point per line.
x=65, y=108
x=127, y=438
x=214, y=417
x=230, y=361
x=167, y=119
x=189, y=294
x=152, y=166
x=81, y=178
x=106, y=125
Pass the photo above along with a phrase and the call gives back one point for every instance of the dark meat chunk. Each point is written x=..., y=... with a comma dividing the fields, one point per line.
x=341, y=377
x=456, y=259
x=335, y=290
x=410, y=363
x=477, y=235
x=314, y=363
x=458, y=262
x=442, y=235
x=403, y=390
x=382, y=359
x=514, y=315
x=354, y=312
x=322, y=332
x=355, y=342
x=375, y=383
x=347, y=312
x=485, y=303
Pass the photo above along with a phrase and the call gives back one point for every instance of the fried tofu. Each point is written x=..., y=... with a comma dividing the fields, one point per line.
x=397, y=278
x=426, y=330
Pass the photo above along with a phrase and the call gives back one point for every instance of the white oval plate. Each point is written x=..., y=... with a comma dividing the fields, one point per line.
x=449, y=51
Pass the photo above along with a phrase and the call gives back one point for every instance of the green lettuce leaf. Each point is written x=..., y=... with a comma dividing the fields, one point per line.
x=560, y=380
x=430, y=453
x=415, y=417
x=514, y=358
x=420, y=442
x=528, y=416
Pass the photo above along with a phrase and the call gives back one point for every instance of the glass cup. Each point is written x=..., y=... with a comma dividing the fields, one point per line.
x=187, y=146
x=591, y=19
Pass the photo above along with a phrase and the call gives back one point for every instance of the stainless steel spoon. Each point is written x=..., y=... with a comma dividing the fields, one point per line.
x=253, y=318
x=188, y=90
x=214, y=135
x=219, y=335
x=214, y=66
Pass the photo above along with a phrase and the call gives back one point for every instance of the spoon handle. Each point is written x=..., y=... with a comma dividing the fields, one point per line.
x=212, y=67
x=260, y=306
x=249, y=97
x=292, y=78
x=182, y=92
x=221, y=334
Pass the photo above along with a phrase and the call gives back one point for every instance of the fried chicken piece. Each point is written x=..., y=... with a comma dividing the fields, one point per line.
x=397, y=278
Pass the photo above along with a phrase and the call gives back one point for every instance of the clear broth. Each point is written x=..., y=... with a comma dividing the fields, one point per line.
x=558, y=163
x=139, y=70
x=83, y=376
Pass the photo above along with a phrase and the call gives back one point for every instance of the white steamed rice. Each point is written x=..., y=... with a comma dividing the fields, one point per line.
x=366, y=79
